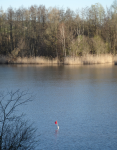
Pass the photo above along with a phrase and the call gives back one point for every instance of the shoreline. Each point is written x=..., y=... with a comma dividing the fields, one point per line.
x=82, y=60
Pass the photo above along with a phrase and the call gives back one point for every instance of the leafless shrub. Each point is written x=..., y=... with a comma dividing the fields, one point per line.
x=15, y=132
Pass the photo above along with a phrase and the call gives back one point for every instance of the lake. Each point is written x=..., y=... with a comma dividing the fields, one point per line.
x=83, y=99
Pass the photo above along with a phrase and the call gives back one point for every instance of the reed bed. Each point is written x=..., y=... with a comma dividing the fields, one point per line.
x=115, y=60
x=89, y=59
x=35, y=60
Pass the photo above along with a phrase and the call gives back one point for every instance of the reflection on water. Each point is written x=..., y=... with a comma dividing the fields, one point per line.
x=82, y=98
x=56, y=132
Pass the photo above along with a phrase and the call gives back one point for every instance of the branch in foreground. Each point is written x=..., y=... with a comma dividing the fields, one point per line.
x=15, y=132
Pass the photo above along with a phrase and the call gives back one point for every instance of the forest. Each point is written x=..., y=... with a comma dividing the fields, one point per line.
x=56, y=33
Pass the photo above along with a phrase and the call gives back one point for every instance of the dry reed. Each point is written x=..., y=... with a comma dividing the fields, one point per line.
x=35, y=60
x=87, y=59
x=115, y=60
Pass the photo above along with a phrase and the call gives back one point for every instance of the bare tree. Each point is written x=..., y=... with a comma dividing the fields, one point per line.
x=15, y=132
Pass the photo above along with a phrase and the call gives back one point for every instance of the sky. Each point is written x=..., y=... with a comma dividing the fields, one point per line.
x=72, y=4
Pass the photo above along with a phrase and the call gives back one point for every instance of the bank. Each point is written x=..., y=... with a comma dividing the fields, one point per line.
x=81, y=60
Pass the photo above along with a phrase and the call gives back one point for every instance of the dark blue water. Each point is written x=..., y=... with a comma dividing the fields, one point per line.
x=83, y=99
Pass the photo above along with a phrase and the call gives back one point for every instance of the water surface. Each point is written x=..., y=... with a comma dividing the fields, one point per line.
x=83, y=99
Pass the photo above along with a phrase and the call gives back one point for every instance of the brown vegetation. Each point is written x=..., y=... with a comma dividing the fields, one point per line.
x=85, y=59
x=89, y=59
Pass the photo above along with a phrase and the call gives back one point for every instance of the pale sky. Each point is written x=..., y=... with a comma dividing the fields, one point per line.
x=72, y=4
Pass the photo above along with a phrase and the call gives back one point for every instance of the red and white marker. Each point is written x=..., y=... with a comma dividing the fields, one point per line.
x=57, y=124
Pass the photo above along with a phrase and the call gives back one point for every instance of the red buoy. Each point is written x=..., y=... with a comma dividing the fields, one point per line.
x=56, y=122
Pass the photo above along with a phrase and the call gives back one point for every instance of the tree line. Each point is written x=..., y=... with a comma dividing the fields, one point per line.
x=55, y=32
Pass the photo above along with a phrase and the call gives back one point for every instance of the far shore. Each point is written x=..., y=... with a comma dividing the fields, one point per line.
x=81, y=60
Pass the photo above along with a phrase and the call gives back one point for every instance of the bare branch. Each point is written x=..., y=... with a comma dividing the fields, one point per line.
x=15, y=133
